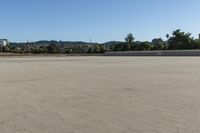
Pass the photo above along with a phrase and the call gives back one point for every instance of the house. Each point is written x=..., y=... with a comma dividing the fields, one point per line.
x=3, y=42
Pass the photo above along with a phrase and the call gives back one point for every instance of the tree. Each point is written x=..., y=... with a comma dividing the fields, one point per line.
x=180, y=40
x=144, y=46
x=167, y=36
x=52, y=48
x=118, y=47
x=197, y=43
x=77, y=49
x=5, y=49
x=97, y=49
x=129, y=40
x=157, y=44
x=90, y=50
x=102, y=49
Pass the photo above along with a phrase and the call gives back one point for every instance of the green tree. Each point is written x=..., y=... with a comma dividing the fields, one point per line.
x=119, y=47
x=97, y=48
x=157, y=44
x=129, y=41
x=197, y=42
x=52, y=48
x=102, y=49
x=180, y=40
x=167, y=36
x=5, y=49
x=144, y=46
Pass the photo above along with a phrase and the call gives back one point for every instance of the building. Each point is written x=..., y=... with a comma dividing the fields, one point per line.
x=3, y=42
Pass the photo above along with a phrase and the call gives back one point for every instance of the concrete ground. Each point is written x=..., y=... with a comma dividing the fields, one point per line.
x=100, y=95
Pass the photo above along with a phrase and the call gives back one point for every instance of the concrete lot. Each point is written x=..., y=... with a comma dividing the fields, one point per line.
x=100, y=95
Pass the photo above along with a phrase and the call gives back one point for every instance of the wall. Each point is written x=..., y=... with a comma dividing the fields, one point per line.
x=156, y=53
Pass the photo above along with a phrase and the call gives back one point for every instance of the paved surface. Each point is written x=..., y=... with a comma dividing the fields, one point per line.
x=100, y=95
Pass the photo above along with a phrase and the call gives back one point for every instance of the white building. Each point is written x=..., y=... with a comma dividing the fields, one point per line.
x=3, y=42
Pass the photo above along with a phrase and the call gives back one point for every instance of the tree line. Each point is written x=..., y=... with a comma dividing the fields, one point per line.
x=177, y=41
x=54, y=47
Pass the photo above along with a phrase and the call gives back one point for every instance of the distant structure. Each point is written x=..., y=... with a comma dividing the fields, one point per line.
x=4, y=42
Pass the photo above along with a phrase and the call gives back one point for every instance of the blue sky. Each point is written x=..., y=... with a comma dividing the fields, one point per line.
x=101, y=20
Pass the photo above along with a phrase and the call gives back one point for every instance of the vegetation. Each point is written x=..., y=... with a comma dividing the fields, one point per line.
x=177, y=41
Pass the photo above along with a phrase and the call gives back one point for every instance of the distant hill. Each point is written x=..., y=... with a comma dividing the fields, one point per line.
x=45, y=43
x=112, y=43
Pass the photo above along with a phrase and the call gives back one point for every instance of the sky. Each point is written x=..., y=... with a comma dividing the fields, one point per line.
x=98, y=20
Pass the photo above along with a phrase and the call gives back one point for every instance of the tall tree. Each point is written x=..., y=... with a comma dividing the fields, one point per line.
x=129, y=40
x=180, y=40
